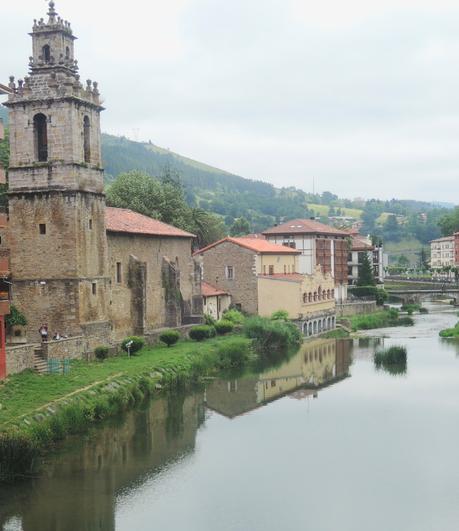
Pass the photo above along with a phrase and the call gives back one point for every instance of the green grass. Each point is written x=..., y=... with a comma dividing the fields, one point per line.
x=339, y=333
x=323, y=210
x=381, y=319
x=22, y=394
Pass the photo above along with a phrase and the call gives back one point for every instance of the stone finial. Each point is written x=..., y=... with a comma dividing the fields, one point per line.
x=52, y=13
x=96, y=88
x=12, y=84
x=88, y=85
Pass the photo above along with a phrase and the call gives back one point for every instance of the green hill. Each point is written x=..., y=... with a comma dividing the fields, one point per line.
x=226, y=194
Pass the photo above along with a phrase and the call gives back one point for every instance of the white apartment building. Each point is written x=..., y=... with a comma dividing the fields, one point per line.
x=442, y=253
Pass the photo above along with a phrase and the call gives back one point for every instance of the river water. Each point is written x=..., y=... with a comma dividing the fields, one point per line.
x=325, y=442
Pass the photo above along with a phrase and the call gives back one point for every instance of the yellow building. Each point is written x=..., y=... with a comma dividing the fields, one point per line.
x=262, y=278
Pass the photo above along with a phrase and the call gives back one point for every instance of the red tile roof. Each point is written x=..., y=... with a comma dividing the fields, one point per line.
x=359, y=243
x=208, y=290
x=257, y=245
x=124, y=220
x=305, y=226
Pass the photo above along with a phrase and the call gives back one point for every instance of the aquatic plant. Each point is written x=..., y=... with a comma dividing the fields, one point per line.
x=392, y=359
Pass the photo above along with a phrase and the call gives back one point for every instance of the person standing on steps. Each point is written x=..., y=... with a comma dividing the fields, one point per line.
x=43, y=331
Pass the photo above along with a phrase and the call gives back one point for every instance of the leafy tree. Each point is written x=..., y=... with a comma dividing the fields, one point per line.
x=403, y=261
x=366, y=277
x=449, y=223
x=240, y=227
x=423, y=259
x=392, y=230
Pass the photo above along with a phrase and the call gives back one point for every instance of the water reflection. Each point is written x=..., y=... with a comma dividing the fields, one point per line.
x=82, y=481
x=319, y=363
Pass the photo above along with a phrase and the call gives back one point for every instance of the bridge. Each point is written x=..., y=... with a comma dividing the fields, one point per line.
x=415, y=296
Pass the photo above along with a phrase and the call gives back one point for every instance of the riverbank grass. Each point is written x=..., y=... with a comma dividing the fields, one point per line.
x=381, y=319
x=450, y=332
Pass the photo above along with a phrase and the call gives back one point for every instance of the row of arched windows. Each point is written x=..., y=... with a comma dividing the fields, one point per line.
x=40, y=126
x=319, y=295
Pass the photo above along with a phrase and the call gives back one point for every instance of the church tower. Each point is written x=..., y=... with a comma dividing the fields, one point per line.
x=58, y=242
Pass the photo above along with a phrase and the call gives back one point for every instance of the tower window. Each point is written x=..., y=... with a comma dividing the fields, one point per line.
x=41, y=137
x=87, y=139
x=42, y=228
x=90, y=224
x=46, y=52
x=67, y=52
x=94, y=288
x=118, y=272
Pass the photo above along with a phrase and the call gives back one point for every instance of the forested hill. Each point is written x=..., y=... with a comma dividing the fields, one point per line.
x=209, y=188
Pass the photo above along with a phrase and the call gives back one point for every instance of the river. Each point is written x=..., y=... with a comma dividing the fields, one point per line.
x=325, y=442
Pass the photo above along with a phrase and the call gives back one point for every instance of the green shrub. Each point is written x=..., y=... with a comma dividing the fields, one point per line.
x=235, y=316
x=201, y=332
x=169, y=337
x=392, y=355
x=224, y=327
x=280, y=315
x=271, y=335
x=101, y=352
x=15, y=318
x=233, y=354
x=137, y=344
x=448, y=332
x=209, y=320
x=379, y=294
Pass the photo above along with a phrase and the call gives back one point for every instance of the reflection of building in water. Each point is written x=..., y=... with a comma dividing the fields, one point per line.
x=366, y=346
x=319, y=363
x=80, y=486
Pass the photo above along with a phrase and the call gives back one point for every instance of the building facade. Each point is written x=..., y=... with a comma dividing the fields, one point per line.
x=262, y=278
x=361, y=245
x=215, y=301
x=319, y=245
x=443, y=254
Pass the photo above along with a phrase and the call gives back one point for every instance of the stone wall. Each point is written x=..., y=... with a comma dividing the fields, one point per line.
x=243, y=288
x=20, y=358
x=355, y=308
x=71, y=348
x=137, y=257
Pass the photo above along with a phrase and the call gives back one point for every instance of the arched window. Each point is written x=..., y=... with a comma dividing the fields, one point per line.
x=46, y=53
x=41, y=137
x=87, y=139
x=310, y=296
x=328, y=293
x=305, y=297
x=315, y=296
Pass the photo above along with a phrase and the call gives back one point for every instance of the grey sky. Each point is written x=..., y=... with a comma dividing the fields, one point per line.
x=361, y=95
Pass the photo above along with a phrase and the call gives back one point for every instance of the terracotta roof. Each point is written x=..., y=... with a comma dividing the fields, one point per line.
x=257, y=245
x=359, y=243
x=305, y=226
x=124, y=220
x=293, y=277
x=208, y=290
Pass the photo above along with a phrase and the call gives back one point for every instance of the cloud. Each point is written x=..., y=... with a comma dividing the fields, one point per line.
x=362, y=96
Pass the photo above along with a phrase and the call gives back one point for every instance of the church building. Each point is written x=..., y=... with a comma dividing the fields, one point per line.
x=84, y=269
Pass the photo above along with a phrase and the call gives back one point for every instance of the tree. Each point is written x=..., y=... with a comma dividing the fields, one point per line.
x=449, y=223
x=423, y=260
x=240, y=227
x=392, y=230
x=403, y=261
x=366, y=277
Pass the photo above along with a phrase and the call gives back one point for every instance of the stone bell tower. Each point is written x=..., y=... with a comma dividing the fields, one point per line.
x=58, y=241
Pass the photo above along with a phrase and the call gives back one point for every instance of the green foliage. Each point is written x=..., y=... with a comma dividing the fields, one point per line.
x=224, y=327
x=450, y=332
x=272, y=335
x=15, y=318
x=235, y=316
x=280, y=315
x=423, y=310
x=240, y=227
x=392, y=359
x=379, y=294
x=339, y=333
x=411, y=308
x=366, y=277
x=233, y=354
x=201, y=332
x=381, y=319
x=170, y=337
x=209, y=320
x=137, y=344
x=101, y=352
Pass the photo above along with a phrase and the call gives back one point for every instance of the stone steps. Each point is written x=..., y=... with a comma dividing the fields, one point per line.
x=40, y=365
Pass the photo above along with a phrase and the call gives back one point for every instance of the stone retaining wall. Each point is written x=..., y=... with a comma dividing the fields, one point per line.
x=72, y=348
x=348, y=309
x=19, y=358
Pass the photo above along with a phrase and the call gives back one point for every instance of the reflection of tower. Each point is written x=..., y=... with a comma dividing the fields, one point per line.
x=56, y=201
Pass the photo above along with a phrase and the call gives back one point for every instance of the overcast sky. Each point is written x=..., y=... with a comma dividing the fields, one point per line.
x=362, y=95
